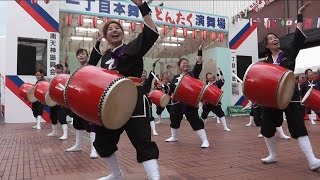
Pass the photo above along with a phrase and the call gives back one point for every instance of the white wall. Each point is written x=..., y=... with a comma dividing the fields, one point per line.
x=21, y=25
x=249, y=47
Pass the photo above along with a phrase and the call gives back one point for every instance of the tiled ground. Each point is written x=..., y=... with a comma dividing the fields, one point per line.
x=26, y=153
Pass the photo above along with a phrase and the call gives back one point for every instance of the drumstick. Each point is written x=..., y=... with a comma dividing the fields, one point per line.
x=237, y=78
x=61, y=86
x=156, y=78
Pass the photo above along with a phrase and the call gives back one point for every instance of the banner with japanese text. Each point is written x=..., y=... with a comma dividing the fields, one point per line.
x=161, y=16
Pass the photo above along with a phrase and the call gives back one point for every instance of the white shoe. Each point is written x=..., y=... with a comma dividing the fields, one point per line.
x=34, y=127
x=203, y=137
x=65, y=132
x=77, y=146
x=172, y=139
x=112, y=177
x=306, y=147
x=226, y=129
x=271, y=145
x=260, y=136
x=174, y=135
x=39, y=118
x=93, y=153
x=54, y=131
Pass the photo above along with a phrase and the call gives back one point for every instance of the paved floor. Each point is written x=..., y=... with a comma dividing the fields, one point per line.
x=26, y=153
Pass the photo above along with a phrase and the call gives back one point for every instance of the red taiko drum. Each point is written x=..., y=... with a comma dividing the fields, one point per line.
x=269, y=85
x=101, y=96
x=188, y=90
x=159, y=98
x=57, y=87
x=312, y=100
x=41, y=92
x=212, y=94
x=24, y=89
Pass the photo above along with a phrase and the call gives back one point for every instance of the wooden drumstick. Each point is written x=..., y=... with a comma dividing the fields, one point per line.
x=61, y=86
x=234, y=75
x=156, y=78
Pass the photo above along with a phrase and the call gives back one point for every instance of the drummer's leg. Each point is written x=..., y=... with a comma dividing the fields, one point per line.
x=175, y=118
x=62, y=117
x=197, y=125
x=218, y=111
x=139, y=133
x=159, y=112
x=298, y=131
x=205, y=112
x=54, y=120
x=106, y=141
x=271, y=118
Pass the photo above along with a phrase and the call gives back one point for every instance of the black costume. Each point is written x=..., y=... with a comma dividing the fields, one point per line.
x=37, y=107
x=271, y=117
x=146, y=86
x=206, y=108
x=178, y=108
x=127, y=59
x=60, y=113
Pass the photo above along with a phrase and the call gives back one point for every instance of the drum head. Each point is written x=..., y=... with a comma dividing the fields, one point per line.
x=49, y=101
x=30, y=95
x=285, y=90
x=306, y=96
x=118, y=104
x=165, y=99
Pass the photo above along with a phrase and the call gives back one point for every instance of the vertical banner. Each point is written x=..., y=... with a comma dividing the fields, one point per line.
x=52, y=53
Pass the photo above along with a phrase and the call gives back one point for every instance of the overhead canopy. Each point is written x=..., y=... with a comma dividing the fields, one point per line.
x=308, y=58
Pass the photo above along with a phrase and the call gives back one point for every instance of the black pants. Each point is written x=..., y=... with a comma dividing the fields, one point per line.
x=161, y=109
x=138, y=130
x=256, y=112
x=80, y=124
x=58, y=113
x=177, y=111
x=272, y=118
x=206, y=108
x=37, y=109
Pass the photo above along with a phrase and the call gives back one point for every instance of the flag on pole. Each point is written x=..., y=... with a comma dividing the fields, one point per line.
x=318, y=23
x=289, y=22
x=266, y=23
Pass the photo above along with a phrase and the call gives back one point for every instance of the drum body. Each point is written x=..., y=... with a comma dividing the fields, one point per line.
x=212, y=94
x=101, y=96
x=41, y=92
x=57, y=87
x=188, y=90
x=24, y=89
x=312, y=100
x=268, y=85
x=159, y=98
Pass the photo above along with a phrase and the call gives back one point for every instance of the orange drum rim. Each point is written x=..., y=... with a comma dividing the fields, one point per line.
x=285, y=90
x=178, y=85
x=244, y=78
x=165, y=99
x=110, y=94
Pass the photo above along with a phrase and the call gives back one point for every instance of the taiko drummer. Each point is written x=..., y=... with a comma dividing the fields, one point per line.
x=273, y=117
x=127, y=60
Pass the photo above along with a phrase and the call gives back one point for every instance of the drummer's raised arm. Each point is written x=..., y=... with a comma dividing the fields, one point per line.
x=145, y=11
x=96, y=53
x=300, y=16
